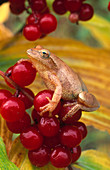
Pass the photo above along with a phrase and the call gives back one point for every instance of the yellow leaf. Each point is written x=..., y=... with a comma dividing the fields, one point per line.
x=17, y=152
x=26, y=165
x=4, y=12
x=93, y=160
x=92, y=65
x=100, y=29
x=5, y=33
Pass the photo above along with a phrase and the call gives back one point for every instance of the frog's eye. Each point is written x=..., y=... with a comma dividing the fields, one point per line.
x=45, y=54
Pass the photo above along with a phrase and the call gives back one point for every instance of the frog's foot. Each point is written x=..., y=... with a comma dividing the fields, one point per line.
x=77, y=107
x=48, y=107
x=70, y=104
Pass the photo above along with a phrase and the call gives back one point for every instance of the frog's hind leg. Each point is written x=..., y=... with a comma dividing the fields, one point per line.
x=77, y=107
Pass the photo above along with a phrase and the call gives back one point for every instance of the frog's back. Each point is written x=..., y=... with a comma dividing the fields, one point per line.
x=71, y=83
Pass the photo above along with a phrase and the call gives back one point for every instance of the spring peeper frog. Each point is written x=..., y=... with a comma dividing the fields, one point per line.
x=65, y=82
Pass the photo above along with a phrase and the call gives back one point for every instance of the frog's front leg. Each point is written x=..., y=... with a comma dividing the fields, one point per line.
x=52, y=78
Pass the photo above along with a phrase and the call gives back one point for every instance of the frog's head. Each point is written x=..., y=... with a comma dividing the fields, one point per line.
x=41, y=56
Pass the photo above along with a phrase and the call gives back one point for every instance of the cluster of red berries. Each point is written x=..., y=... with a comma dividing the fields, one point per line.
x=48, y=139
x=40, y=22
x=78, y=9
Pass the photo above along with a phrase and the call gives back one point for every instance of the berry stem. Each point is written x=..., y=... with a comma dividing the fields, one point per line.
x=70, y=168
x=17, y=87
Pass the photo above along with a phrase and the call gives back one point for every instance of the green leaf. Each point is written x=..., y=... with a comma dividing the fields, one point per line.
x=4, y=161
x=99, y=27
x=93, y=160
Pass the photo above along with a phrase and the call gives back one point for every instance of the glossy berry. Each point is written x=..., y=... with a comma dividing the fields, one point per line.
x=4, y=94
x=48, y=23
x=8, y=73
x=12, y=109
x=31, y=138
x=70, y=136
x=82, y=128
x=23, y=73
x=76, y=152
x=38, y=5
x=35, y=116
x=65, y=109
x=41, y=100
x=49, y=126
x=40, y=157
x=52, y=142
x=73, y=5
x=60, y=157
x=20, y=125
x=27, y=102
x=33, y=18
x=86, y=12
x=31, y=32
x=59, y=7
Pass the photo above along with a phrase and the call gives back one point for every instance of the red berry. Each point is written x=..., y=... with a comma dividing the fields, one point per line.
x=59, y=7
x=35, y=116
x=49, y=126
x=41, y=100
x=20, y=125
x=76, y=152
x=17, y=9
x=48, y=23
x=23, y=73
x=31, y=138
x=4, y=94
x=86, y=12
x=60, y=157
x=82, y=128
x=33, y=18
x=52, y=142
x=73, y=5
x=109, y=6
x=8, y=73
x=12, y=109
x=65, y=109
x=70, y=136
x=38, y=5
x=27, y=102
x=31, y=32
x=74, y=17
x=40, y=157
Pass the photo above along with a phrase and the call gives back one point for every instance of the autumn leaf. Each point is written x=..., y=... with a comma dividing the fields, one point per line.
x=93, y=160
x=99, y=27
x=4, y=12
x=5, y=33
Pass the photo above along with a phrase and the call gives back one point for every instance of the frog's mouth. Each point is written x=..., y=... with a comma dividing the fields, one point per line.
x=32, y=53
